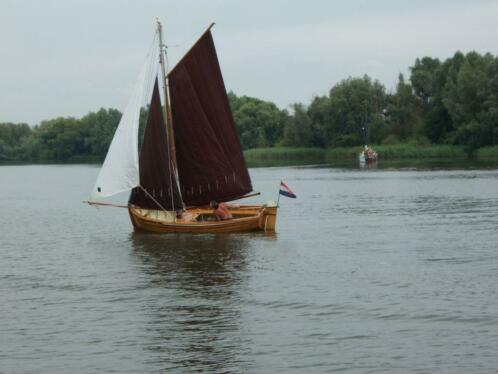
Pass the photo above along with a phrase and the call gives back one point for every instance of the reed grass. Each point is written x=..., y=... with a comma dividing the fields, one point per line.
x=414, y=151
x=285, y=153
x=395, y=151
x=487, y=152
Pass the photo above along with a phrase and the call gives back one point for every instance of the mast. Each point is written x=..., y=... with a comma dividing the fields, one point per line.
x=167, y=110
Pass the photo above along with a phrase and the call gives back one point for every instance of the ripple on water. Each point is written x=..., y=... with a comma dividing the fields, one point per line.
x=370, y=271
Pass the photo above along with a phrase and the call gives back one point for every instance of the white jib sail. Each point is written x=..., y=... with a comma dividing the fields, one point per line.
x=119, y=172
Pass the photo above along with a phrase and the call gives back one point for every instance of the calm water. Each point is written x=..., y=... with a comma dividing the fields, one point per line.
x=371, y=271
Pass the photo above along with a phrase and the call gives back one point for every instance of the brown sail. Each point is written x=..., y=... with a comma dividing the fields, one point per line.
x=210, y=160
x=154, y=165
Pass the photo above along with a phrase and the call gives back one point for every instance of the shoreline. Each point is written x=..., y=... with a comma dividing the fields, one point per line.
x=386, y=152
x=288, y=156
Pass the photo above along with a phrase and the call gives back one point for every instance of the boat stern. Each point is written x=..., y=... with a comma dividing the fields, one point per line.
x=268, y=219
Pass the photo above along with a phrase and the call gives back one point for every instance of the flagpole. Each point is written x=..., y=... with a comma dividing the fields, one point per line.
x=278, y=198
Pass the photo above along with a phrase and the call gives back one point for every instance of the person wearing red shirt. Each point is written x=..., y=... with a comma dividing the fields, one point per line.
x=221, y=211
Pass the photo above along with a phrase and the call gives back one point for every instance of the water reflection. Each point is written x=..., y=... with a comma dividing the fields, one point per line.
x=384, y=271
x=195, y=318
x=368, y=165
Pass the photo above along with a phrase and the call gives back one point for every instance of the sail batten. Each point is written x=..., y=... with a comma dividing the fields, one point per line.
x=208, y=150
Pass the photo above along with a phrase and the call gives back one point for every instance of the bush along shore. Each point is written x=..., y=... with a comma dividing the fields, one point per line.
x=444, y=109
x=386, y=152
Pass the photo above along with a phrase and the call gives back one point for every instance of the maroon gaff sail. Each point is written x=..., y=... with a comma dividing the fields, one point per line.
x=211, y=165
x=154, y=164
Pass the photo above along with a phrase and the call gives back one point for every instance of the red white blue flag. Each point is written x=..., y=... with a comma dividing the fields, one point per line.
x=286, y=191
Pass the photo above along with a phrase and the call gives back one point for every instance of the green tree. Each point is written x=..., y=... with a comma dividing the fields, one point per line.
x=354, y=113
x=97, y=130
x=403, y=111
x=320, y=113
x=298, y=132
x=430, y=79
x=11, y=137
x=424, y=78
x=259, y=123
x=471, y=99
x=59, y=139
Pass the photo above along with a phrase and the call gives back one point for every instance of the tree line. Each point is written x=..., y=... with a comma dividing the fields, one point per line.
x=454, y=101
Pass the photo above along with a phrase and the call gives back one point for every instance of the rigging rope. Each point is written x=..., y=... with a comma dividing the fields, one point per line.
x=148, y=194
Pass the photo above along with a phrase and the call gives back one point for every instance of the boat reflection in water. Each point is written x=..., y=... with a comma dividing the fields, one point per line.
x=198, y=283
x=368, y=165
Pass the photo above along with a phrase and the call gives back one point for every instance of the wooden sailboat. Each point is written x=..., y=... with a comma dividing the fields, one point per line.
x=367, y=156
x=190, y=155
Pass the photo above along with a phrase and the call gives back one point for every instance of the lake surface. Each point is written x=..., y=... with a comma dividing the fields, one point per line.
x=370, y=271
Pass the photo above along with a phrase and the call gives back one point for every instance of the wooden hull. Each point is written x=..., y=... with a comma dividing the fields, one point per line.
x=366, y=160
x=201, y=220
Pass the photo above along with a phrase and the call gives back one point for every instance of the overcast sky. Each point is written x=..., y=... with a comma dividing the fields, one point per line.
x=68, y=57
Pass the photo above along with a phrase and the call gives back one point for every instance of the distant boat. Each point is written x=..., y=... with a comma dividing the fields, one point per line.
x=367, y=156
x=190, y=155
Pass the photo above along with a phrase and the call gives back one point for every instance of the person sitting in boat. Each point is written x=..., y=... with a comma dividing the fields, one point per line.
x=221, y=211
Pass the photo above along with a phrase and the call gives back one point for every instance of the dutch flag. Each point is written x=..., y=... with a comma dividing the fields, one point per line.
x=286, y=191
